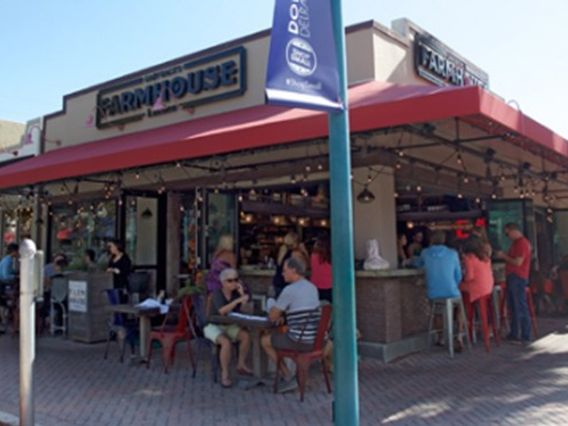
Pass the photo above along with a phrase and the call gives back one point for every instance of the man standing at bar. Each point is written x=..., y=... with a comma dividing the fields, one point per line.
x=517, y=270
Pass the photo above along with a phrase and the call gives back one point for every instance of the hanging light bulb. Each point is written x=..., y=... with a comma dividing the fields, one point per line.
x=418, y=188
x=308, y=169
x=459, y=158
x=478, y=200
x=465, y=179
x=397, y=165
x=240, y=198
x=320, y=167
x=396, y=195
x=293, y=179
x=137, y=175
x=178, y=164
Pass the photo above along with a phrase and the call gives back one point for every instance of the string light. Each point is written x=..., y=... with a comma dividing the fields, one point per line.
x=459, y=158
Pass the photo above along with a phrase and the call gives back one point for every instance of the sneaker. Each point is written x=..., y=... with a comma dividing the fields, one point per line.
x=288, y=386
x=512, y=339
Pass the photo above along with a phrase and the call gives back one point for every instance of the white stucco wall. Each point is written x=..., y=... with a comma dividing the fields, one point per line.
x=376, y=220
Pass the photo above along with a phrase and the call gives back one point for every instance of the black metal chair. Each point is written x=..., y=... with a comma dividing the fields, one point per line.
x=120, y=328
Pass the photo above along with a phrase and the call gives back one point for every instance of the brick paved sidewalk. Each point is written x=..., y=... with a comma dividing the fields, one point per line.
x=512, y=385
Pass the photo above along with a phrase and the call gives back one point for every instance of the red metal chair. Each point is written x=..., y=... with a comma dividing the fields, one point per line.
x=303, y=360
x=170, y=335
x=484, y=304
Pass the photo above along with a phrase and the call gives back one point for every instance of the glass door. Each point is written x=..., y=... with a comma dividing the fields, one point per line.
x=144, y=235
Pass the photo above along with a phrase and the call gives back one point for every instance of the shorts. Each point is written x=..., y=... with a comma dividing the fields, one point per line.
x=213, y=331
x=283, y=341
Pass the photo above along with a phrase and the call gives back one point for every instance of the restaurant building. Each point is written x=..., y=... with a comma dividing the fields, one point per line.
x=171, y=157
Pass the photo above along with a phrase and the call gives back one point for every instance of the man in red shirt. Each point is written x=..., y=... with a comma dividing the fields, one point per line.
x=517, y=270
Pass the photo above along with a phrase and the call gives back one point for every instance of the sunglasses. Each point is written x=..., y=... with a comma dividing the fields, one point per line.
x=232, y=280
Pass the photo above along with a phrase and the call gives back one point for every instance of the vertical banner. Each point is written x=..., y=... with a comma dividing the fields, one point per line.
x=302, y=63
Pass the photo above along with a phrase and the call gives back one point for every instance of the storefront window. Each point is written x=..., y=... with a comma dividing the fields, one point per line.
x=220, y=219
x=25, y=220
x=78, y=228
x=190, y=234
x=9, y=231
x=502, y=212
x=560, y=234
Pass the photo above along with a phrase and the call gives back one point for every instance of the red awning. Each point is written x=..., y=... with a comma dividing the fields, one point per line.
x=373, y=105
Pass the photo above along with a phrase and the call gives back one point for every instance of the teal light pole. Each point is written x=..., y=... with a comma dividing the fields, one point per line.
x=346, y=393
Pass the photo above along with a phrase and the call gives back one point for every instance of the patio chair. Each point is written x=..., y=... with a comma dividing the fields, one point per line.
x=138, y=285
x=303, y=360
x=120, y=328
x=169, y=334
x=199, y=322
x=59, y=289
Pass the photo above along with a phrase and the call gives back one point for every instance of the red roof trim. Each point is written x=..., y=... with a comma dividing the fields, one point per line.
x=373, y=105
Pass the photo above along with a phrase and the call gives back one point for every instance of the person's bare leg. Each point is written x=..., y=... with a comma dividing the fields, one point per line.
x=224, y=358
x=244, y=346
x=267, y=345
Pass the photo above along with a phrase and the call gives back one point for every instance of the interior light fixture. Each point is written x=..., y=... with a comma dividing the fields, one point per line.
x=147, y=213
x=365, y=196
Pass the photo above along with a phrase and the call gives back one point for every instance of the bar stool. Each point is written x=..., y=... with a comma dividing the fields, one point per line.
x=532, y=310
x=502, y=315
x=446, y=308
x=483, y=305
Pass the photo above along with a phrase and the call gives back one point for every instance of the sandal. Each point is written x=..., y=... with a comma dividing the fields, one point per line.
x=226, y=383
x=244, y=372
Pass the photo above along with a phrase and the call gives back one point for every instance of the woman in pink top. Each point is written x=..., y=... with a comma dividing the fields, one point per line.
x=320, y=263
x=478, y=274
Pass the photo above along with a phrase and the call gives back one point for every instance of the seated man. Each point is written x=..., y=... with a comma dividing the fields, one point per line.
x=299, y=302
x=442, y=268
x=229, y=298
x=8, y=264
x=443, y=272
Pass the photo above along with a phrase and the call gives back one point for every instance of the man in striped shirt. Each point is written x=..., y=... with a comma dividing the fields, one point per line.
x=299, y=305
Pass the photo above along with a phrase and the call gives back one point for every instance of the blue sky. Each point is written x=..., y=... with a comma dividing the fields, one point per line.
x=51, y=48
